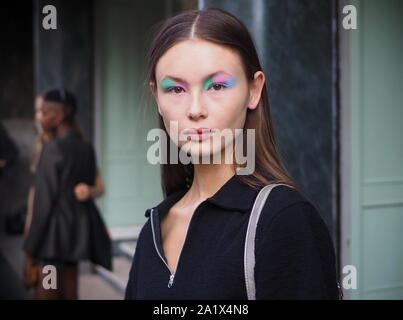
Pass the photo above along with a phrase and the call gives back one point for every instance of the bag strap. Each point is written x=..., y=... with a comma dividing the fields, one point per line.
x=249, y=253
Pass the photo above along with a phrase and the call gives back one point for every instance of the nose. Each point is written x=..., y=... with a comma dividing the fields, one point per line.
x=197, y=109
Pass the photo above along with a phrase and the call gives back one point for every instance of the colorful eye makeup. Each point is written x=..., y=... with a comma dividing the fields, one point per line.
x=222, y=79
x=168, y=84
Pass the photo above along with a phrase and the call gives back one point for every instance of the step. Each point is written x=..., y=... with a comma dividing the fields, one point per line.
x=127, y=248
x=124, y=245
x=117, y=278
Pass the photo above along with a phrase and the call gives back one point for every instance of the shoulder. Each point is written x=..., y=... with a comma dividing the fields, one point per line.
x=85, y=143
x=283, y=196
x=291, y=226
x=88, y=147
x=144, y=228
x=288, y=210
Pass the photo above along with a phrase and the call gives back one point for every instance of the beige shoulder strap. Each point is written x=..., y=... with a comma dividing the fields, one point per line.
x=249, y=253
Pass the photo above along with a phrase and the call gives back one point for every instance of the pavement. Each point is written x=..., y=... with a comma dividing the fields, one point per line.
x=95, y=283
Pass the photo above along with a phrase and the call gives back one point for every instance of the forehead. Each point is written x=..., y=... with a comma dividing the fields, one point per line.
x=51, y=106
x=194, y=59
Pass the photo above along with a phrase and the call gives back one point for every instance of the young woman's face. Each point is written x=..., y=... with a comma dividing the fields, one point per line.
x=203, y=86
x=47, y=114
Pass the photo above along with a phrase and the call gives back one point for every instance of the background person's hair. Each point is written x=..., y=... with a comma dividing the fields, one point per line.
x=66, y=99
x=222, y=28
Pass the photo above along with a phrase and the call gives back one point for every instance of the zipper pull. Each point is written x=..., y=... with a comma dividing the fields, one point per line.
x=171, y=280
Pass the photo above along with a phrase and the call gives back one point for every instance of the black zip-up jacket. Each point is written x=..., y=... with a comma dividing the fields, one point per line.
x=295, y=257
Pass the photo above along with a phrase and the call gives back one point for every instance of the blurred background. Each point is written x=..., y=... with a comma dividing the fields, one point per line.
x=336, y=99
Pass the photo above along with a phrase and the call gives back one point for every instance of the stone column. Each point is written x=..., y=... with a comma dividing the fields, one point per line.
x=64, y=57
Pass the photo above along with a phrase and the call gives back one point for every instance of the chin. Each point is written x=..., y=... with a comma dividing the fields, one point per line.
x=207, y=154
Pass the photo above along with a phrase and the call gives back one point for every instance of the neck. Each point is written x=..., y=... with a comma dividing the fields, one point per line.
x=208, y=179
x=62, y=128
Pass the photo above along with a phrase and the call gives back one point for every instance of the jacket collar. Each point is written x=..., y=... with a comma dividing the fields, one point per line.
x=233, y=195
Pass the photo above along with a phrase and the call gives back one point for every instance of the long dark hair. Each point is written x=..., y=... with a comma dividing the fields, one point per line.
x=220, y=27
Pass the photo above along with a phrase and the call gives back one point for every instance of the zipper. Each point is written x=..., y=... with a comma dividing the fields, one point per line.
x=172, y=276
x=171, y=280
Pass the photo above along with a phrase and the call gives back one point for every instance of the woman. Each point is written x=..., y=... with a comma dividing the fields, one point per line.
x=82, y=191
x=65, y=226
x=205, y=73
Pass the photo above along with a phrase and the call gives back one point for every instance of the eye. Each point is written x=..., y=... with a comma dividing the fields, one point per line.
x=176, y=89
x=217, y=86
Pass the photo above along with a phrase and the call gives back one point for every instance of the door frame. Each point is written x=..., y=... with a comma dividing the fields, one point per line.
x=348, y=169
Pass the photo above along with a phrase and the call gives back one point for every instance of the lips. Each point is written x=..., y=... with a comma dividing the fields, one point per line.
x=197, y=130
x=197, y=133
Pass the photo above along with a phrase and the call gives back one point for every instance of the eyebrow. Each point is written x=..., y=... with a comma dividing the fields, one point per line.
x=184, y=82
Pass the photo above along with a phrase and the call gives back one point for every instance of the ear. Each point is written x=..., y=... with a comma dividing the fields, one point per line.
x=255, y=91
x=153, y=89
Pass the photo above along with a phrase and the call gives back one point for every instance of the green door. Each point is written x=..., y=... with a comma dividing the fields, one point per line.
x=124, y=113
x=376, y=150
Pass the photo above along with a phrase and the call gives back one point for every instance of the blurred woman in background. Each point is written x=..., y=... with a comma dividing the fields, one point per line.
x=63, y=224
x=82, y=191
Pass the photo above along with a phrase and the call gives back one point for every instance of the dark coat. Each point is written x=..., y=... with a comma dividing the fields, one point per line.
x=63, y=228
x=295, y=257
